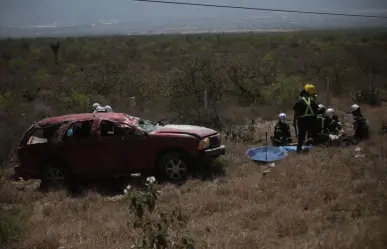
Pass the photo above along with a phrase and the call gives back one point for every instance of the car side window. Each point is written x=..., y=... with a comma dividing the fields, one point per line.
x=37, y=137
x=110, y=129
x=79, y=130
x=43, y=135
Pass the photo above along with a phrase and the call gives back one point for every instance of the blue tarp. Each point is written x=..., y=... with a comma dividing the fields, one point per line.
x=294, y=148
x=267, y=153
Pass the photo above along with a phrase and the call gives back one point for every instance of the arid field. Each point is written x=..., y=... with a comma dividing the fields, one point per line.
x=329, y=198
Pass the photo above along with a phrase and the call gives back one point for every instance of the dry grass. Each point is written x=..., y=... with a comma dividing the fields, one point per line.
x=326, y=199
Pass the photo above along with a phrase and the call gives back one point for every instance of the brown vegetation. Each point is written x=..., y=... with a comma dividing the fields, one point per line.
x=328, y=199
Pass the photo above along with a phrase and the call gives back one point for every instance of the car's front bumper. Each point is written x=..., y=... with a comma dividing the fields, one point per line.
x=215, y=152
x=208, y=155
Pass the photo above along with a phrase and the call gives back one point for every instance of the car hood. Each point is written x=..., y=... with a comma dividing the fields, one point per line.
x=186, y=129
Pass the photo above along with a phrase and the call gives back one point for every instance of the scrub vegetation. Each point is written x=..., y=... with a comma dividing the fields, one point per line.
x=330, y=198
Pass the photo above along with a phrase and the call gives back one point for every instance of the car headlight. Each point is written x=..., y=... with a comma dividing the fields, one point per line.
x=204, y=143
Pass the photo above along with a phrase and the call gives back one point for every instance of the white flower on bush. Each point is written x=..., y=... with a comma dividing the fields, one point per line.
x=151, y=180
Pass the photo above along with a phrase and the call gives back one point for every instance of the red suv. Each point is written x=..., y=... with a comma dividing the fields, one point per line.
x=60, y=149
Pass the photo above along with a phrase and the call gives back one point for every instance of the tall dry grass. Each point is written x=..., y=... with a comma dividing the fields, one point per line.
x=330, y=198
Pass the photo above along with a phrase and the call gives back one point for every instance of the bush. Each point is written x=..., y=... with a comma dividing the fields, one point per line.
x=285, y=90
x=18, y=63
x=76, y=102
x=6, y=100
x=187, y=86
x=12, y=224
x=203, y=117
x=41, y=76
x=158, y=229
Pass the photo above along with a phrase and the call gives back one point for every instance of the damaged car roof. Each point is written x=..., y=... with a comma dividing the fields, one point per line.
x=117, y=117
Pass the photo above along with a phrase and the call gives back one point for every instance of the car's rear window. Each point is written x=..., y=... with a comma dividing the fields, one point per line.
x=43, y=134
x=37, y=137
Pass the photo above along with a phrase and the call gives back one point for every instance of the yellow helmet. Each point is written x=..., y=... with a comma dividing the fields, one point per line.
x=310, y=89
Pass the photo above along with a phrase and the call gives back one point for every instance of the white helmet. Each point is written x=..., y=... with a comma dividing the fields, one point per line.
x=330, y=112
x=108, y=108
x=95, y=105
x=282, y=117
x=354, y=107
x=321, y=108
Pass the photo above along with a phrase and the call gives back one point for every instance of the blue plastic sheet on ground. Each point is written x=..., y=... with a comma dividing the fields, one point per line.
x=294, y=148
x=267, y=153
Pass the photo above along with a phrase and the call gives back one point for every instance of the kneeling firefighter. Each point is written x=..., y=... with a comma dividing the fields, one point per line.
x=360, y=124
x=281, y=136
x=322, y=134
x=334, y=124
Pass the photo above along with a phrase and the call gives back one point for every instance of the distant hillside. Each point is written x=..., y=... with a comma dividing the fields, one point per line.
x=97, y=17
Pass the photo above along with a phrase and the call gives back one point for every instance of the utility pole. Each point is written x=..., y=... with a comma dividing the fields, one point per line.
x=327, y=99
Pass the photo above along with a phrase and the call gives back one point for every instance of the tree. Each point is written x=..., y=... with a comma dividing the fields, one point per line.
x=371, y=65
x=55, y=49
x=333, y=67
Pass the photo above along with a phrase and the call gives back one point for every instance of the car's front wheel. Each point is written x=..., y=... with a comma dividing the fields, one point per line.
x=173, y=167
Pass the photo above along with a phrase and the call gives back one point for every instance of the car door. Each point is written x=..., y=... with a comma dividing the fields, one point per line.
x=80, y=149
x=38, y=146
x=135, y=151
x=110, y=143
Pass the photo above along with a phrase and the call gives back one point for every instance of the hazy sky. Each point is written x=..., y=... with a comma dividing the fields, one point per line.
x=40, y=12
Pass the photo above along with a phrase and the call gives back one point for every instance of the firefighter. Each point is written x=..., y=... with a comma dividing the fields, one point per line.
x=305, y=111
x=108, y=108
x=311, y=91
x=100, y=109
x=281, y=136
x=320, y=110
x=334, y=124
x=322, y=134
x=95, y=106
x=360, y=124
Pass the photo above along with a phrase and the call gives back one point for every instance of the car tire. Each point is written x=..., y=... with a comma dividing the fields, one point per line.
x=54, y=175
x=173, y=167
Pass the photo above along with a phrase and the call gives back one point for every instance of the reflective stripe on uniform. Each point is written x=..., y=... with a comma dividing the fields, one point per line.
x=309, y=111
x=322, y=124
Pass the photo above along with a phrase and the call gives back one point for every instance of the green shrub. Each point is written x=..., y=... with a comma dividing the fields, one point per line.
x=41, y=76
x=12, y=224
x=76, y=102
x=70, y=70
x=36, y=53
x=18, y=63
x=157, y=229
x=285, y=90
x=186, y=87
x=6, y=100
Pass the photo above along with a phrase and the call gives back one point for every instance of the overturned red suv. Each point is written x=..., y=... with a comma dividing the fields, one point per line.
x=58, y=150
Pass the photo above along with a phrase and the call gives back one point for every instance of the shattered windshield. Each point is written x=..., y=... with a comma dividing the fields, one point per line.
x=145, y=125
x=148, y=126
